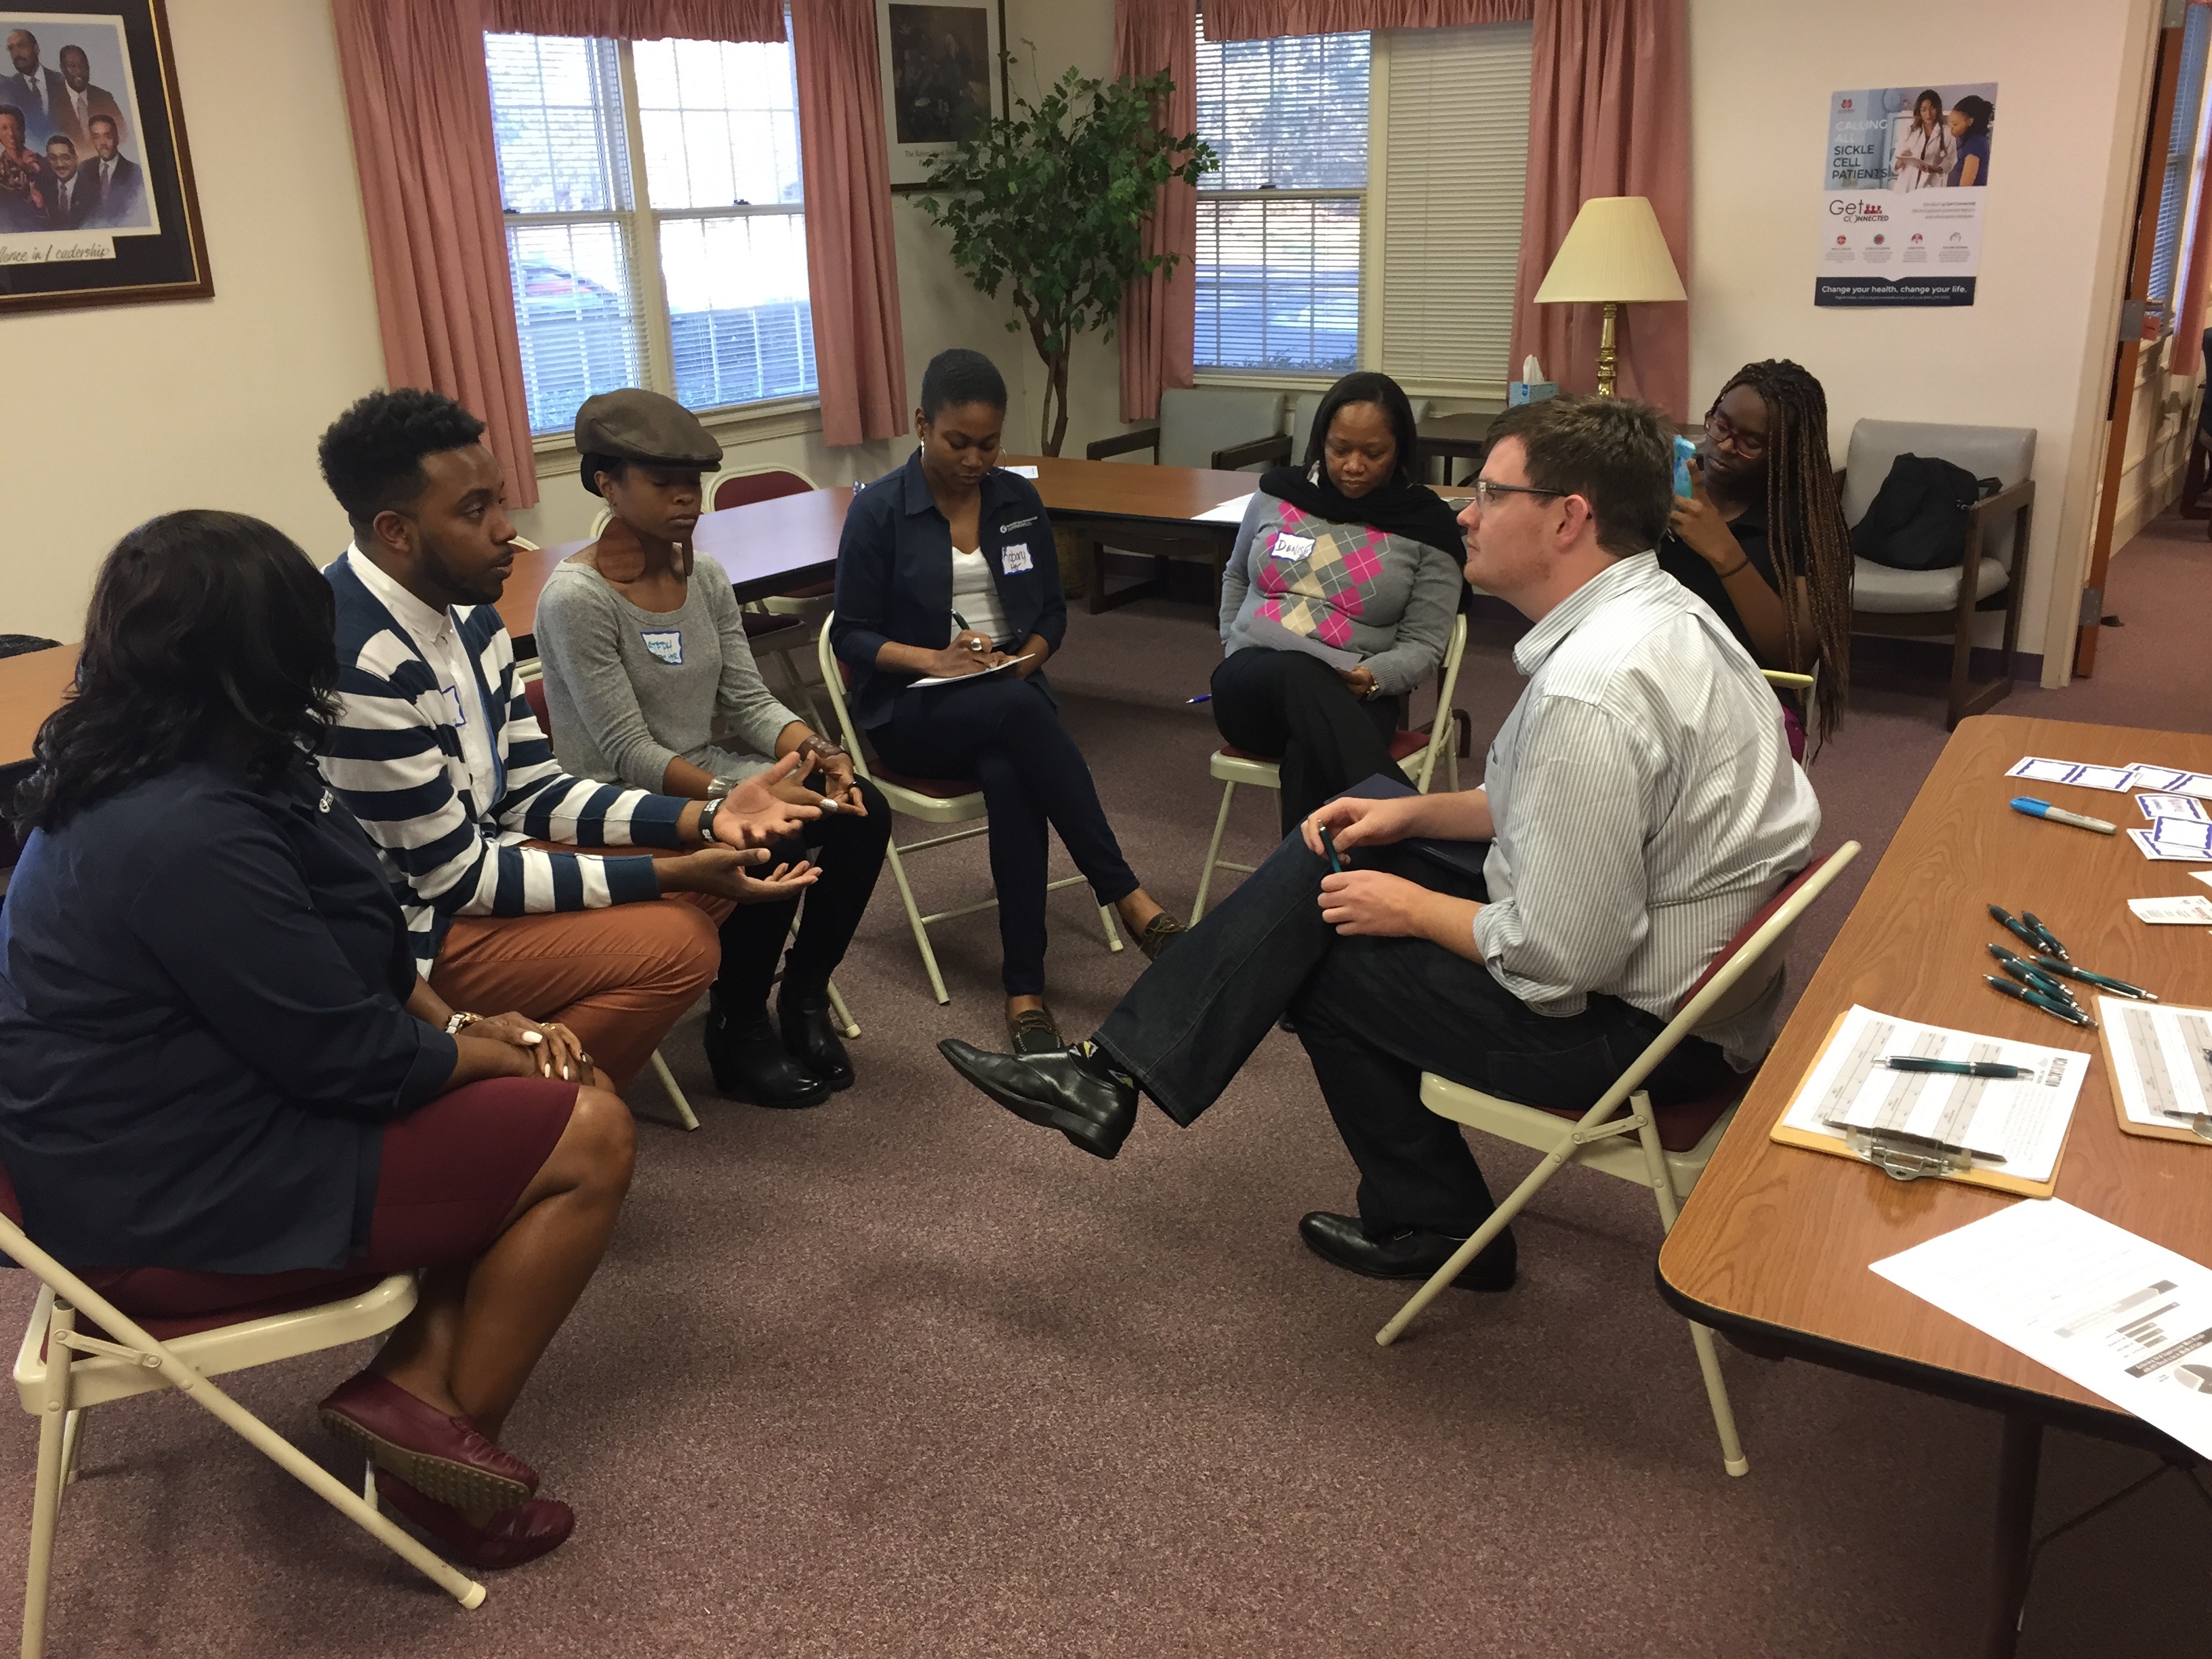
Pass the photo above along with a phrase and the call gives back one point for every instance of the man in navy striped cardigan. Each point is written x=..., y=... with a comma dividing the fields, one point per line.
x=437, y=753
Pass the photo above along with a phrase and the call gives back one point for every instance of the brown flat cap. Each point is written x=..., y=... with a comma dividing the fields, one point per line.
x=635, y=425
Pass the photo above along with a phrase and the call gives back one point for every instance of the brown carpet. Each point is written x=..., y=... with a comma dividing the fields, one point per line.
x=904, y=1376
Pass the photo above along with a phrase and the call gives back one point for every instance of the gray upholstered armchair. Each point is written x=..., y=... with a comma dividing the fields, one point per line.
x=1924, y=604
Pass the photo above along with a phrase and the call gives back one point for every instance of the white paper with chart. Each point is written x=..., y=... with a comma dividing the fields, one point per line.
x=2161, y=1060
x=2014, y=1126
x=2128, y=1320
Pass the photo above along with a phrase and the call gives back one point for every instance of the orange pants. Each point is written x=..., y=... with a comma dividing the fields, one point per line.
x=618, y=978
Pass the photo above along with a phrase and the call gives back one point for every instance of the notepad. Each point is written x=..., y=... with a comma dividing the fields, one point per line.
x=2161, y=1061
x=2016, y=1126
x=981, y=673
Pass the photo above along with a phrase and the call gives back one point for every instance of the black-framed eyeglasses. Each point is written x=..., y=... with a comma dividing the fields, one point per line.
x=1749, y=445
x=1486, y=493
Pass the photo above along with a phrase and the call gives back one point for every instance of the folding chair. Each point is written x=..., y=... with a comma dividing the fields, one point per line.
x=933, y=800
x=62, y=1373
x=534, y=691
x=1674, y=1143
x=1233, y=766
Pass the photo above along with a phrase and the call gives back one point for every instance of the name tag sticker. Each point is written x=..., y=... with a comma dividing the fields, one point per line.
x=453, y=705
x=665, y=643
x=1292, y=547
x=1016, y=559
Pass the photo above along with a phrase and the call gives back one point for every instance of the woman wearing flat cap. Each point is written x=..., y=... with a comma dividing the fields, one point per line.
x=649, y=681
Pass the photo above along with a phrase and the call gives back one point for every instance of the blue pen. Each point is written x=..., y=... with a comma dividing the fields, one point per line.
x=1203, y=696
x=2044, y=809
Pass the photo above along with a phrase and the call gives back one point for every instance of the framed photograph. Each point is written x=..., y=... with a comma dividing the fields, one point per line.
x=942, y=77
x=96, y=199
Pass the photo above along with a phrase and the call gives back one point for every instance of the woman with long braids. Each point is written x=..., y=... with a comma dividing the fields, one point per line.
x=1761, y=537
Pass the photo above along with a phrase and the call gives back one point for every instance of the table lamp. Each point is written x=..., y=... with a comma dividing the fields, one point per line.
x=1615, y=255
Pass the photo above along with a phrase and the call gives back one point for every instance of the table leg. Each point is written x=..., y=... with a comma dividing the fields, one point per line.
x=2015, y=1531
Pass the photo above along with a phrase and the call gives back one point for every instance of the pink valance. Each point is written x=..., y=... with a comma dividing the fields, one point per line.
x=639, y=19
x=1263, y=19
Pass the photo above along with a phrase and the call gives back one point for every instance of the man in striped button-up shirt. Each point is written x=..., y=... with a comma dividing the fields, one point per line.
x=437, y=752
x=1638, y=806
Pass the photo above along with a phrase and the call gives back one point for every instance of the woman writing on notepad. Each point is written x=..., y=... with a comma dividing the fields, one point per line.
x=947, y=571
x=1338, y=598
x=650, y=682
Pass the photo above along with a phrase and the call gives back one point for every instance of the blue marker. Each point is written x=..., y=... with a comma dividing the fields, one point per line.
x=2044, y=809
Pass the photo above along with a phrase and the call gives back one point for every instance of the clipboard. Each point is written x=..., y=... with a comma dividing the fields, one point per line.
x=1789, y=1135
x=2110, y=1011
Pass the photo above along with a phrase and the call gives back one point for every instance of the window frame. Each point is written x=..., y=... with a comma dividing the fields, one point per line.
x=1362, y=348
x=638, y=225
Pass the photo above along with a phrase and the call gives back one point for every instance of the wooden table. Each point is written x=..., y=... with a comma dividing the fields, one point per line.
x=767, y=547
x=31, y=686
x=1464, y=437
x=1773, y=1246
x=1149, y=510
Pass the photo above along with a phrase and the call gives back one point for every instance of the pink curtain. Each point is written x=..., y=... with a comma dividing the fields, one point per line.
x=1609, y=115
x=420, y=110
x=1263, y=20
x=1159, y=317
x=860, y=351
x=640, y=20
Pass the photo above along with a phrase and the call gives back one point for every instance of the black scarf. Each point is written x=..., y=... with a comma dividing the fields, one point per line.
x=1397, y=508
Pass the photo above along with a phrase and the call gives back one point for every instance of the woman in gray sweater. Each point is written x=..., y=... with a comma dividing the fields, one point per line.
x=650, y=682
x=1338, y=598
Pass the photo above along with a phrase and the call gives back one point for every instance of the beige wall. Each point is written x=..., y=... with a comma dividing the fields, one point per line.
x=2034, y=350
x=210, y=403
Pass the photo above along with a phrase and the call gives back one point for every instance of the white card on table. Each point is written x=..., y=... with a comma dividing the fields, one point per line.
x=2151, y=848
x=2173, y=806
x=2189, y=908
x=2075, y=772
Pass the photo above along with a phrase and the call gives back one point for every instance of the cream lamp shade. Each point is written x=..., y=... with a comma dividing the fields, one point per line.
x=1615, y=255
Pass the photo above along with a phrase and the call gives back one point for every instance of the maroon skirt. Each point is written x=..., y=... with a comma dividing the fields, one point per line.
x=452, y=1171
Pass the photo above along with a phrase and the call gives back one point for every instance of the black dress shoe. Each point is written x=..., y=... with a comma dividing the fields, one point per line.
x=1077, y=1093
x=1411, y=1252
x=750, y=1064
x=811, y=1038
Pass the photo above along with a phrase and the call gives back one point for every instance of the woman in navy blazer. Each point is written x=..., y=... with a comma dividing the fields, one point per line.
x=223, y=1083
x=947, y=569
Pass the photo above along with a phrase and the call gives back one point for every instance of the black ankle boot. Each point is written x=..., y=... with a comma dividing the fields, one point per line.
x=810, y=1037
x=750, y=1064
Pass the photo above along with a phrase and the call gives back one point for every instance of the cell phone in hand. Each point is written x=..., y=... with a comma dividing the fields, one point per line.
x=1329, y=845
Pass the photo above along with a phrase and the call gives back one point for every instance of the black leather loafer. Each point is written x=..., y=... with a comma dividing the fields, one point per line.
x=1412, y=1253
x=1072, y=1092
x=750, y=1064
x=810, y=1037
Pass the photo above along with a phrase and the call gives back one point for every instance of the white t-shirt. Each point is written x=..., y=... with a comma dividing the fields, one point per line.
x=976, y=597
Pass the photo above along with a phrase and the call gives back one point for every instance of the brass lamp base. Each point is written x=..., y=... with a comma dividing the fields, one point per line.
x=1608, y=359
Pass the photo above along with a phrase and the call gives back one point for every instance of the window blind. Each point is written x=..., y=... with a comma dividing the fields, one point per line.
x=2180, y=160
x=1456, y=156
x=1277, y=268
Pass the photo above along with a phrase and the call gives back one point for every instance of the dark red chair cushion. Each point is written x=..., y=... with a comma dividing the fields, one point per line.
x=533, y=693
x=1403, y=744
x=1760, y=917
x=812, y=591
x=758, y=623
x=1683, y=1125
x=756, y=487
x=1234, y=753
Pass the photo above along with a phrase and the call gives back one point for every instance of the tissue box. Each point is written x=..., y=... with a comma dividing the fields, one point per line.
x=1529, y=392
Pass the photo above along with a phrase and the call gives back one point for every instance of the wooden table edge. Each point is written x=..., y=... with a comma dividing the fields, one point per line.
x=1761, y=1341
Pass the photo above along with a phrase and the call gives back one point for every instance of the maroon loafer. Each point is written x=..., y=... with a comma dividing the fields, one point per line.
x=442, y=1457
x=508, y=1540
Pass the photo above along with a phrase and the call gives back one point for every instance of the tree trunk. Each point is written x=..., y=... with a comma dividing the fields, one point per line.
x=1057, y=401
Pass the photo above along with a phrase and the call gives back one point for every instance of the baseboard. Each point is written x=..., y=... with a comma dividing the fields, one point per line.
x=1933, y=657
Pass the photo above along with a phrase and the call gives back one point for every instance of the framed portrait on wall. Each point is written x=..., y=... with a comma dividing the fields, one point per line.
x=941, y=75
x=96, y=199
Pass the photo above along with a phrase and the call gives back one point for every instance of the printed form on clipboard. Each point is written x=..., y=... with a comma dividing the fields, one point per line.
x=2004, y=1132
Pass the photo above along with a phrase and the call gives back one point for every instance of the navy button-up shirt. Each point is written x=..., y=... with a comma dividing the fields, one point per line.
x=894, y=575
x=201, y=1028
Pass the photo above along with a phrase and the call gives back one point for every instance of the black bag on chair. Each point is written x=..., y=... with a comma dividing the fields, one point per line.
x=1918, y=518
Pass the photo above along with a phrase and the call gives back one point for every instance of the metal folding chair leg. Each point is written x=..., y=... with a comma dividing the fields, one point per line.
x=676, y=1097
x=1709, y=1359
x=846, y=1023
x=914, y=921
x=1213, y=851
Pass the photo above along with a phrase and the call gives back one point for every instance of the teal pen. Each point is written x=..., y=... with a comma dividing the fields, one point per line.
x=2050, y=939
x=2036, y=981
x=2066, y=1012
x=2019, y=930
x=2119, y=988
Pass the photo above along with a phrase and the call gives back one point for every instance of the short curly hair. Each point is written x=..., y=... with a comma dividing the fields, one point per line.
x=372, y=455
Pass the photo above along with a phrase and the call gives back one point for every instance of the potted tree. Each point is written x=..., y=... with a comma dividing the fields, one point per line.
x=1051, y=201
